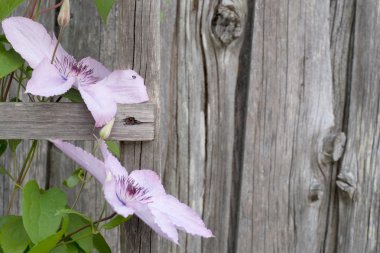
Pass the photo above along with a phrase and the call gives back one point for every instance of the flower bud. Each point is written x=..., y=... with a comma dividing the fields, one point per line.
x=106, y=130
x=64, y=14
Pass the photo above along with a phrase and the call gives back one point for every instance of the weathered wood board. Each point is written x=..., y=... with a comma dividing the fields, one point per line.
x=255, y=101
x=73, y=121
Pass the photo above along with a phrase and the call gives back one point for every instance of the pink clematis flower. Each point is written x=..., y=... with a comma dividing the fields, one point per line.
x=140, y=193
x=101, y=90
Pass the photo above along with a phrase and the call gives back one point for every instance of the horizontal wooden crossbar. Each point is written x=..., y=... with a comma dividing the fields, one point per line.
x=72, y=121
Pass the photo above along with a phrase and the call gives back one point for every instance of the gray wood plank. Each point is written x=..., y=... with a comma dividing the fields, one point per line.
x=286, y=178
x=138, y=46
x=359, y=174
x=200, y=55
x=71, y=121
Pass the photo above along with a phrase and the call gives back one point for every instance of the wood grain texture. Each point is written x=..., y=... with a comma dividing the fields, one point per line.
x=137, y=24
x=255, y=101
x=285, y=186
x=359, y=174
x=199, y=73
x=70, y=121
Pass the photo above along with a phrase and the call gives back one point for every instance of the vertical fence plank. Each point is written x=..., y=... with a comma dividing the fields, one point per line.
x=286, y=180
x=138, y=47
x=201, y=43
x=359, y=175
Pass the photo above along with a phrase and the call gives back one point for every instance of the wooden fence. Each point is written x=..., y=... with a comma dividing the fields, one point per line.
x=267, y=119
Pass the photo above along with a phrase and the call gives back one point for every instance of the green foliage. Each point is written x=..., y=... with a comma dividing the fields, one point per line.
x=73, y=95
x=7, y=7
x=114, y=148
x=9, y=59
x=100, y=244
x=13, y=238
x=116, y=222
x=83, y=238
x=13, y=144
x=75, y=178
x=39, y=210
x=3, y=146
x=104, y=8
x=46, y=245
x=70, y=211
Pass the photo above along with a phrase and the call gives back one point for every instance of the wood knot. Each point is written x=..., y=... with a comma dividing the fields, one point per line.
x=131, y=121
x=226, y=24
x=333, y=146
x=315, y=191
x=346, y=182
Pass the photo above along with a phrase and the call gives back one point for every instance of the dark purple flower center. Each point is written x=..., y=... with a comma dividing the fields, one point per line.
x=128, y=189
x=69, y=66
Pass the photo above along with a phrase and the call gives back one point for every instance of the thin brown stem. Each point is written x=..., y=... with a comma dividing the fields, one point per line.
x=56, y=46
x=8, y=86
x=33, y=9
x=88, y=225
x=51, y=7
x=24, y=170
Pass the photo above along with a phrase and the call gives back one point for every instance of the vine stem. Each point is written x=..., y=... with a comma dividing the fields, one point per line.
x=22, y=174
x=8, y=86
x=84, y=178
x=56, y=46
x=51, y=7
x=88, y=225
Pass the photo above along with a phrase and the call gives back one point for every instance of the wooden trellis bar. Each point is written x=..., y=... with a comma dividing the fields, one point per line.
x=73, y=121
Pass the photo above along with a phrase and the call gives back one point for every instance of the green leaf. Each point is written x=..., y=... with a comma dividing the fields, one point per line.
x=13, y=144
x=28, y=72
x=116, y=222
x=104, y=8
x=73, y=95
x=74, y=179
x=68, y=248
x=84, y=237
x=71, y=211
x=9, y=60
x=3, y=146
x=13, y=238
x=60, y=249
x=7, y=7
x=39, y=210
x=3, y=39
x=114, y=148
x=100, y=244
x=46, y=245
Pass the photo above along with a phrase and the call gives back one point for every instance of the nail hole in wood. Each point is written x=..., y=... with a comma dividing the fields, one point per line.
x=131, y=121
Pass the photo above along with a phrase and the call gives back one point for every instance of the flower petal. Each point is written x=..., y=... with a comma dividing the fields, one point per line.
x=112, y=163
x=99, y=101
x=87, y=161
x=157, y=221
x=30, y=39
x=149, y=180
x=182, y=216
x=127, y=87
x=46, y=81
x=109, y=188
x=100, y=71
